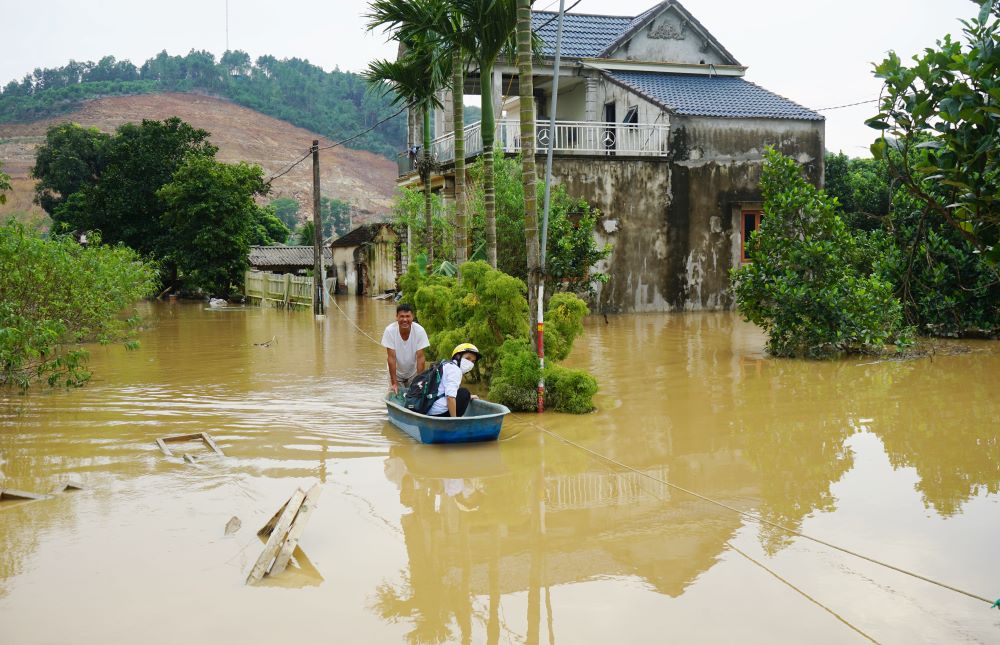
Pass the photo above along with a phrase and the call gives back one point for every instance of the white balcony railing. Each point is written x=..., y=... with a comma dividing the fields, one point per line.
x=568, y=137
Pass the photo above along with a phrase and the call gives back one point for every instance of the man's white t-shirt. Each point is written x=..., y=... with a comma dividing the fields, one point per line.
x=406, y=350
x=451, y=379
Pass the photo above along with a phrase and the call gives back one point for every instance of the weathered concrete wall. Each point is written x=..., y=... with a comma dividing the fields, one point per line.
x=632, y=196
x=674, y=224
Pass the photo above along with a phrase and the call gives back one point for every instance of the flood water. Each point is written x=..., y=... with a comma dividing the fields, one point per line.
x=528, y=540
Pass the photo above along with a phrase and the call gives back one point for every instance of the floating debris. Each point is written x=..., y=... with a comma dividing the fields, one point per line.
x=11, y=495
x=284, y=530
x=198, y=436
x=233, y=525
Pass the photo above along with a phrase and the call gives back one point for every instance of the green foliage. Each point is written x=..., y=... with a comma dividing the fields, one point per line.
x=334, y=104
x=863, y=189
x=286, y=209
x=942, y=113
x=488, y=308
x=110, y=184
x=268, y=229
x=335, y=215
x=807, y=285
x=569, y=390
x=55, y=293
x=211, y=214
x=4, y=185
x=157, y=188
x=571, y=249
x=408, y=210
x=946, y=287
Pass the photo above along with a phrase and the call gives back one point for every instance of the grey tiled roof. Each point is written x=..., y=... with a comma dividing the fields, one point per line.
x=361, y=235
x=719, y=96
x=281, y=256
x=584, y=36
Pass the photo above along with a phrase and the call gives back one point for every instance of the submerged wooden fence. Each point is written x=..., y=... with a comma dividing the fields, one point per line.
x=286, y=289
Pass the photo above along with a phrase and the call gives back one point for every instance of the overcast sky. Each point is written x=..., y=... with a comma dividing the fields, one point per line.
x=815, y=52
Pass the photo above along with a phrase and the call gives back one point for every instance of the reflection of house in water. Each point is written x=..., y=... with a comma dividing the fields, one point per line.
x=484, y=532
x=367, y=260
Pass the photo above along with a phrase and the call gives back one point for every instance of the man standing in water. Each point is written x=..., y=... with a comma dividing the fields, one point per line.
x=404, y=342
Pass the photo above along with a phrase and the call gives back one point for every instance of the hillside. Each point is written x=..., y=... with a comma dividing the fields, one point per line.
x=364, y=179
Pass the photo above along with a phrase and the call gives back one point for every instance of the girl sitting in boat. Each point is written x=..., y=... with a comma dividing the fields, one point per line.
x=453, y=399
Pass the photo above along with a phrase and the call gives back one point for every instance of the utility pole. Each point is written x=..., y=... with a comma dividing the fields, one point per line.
x=318, y=305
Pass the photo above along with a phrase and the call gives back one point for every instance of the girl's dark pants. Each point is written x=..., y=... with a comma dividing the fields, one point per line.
x=462, y=399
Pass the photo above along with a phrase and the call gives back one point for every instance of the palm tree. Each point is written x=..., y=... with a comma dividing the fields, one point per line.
x=528, y=174
x=488, y=33
x=481, y=30
x=414, y=78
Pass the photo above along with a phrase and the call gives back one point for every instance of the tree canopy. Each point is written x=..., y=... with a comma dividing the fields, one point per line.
x=943, y=114
x=157, y=188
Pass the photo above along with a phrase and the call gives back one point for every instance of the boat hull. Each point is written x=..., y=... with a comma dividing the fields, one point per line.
x=482, y=422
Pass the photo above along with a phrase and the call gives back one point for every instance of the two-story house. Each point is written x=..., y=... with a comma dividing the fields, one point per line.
x=657, y=128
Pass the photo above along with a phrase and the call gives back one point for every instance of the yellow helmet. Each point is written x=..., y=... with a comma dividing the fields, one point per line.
x=466, y=347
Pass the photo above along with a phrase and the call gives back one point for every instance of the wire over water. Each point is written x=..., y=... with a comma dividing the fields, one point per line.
x=758, y=518
x=346, y=317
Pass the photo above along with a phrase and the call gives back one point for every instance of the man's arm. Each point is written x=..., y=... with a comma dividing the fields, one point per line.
x=391, y=360
x=420, y=361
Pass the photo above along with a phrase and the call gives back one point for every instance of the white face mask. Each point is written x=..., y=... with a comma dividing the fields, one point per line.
x=466, y=366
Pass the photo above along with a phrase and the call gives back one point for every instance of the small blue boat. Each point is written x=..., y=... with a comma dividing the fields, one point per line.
x=481, y=422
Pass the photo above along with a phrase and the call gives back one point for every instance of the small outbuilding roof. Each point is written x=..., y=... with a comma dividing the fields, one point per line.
x=361, y=235
x=718, y=96
x=285, y=256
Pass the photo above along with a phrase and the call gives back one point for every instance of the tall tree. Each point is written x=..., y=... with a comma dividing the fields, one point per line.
x=491, y=25
x=413, y=82
x=944, y=108
x=527, y=104
x=211, y=213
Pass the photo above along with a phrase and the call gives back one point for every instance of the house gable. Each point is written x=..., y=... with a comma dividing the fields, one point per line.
x=668, y=33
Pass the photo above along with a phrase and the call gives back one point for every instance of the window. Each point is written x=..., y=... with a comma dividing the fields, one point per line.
x=751, y=222
x=631, y=116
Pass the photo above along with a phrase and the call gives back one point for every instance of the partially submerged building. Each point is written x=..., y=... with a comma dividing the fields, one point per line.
x=657, y=127
x=368, y=260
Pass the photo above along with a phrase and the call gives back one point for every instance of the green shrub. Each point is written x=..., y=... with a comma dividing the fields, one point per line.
x=569, y=390
x=489, y=309
x=55, y=293
x=807, y=285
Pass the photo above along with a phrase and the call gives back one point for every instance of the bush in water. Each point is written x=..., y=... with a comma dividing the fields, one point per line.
x=56, y=293
x=488, y=308
x=807, y=284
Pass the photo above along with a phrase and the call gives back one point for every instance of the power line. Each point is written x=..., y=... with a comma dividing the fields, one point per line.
x=388, y=118
x=289, y=168
x=846, y=105
x=565, y=11
x=333, y=145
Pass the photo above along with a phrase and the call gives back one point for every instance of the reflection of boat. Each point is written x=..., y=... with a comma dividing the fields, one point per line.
x=472, y=460
x=481, y=422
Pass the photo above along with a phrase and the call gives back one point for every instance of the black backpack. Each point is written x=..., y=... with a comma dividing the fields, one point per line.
x=423, y=390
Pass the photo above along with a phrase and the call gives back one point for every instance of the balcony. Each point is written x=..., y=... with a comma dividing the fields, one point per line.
x=585, y=138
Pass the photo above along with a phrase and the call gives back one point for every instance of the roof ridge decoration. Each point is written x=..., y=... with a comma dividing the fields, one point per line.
x=646, y=17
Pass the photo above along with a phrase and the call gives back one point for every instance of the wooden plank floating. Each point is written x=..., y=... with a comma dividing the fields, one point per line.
x=11, y=495
x=283, y=531
x=294, y=533
x=70, y=484
x=197, y=436
x=277, y=537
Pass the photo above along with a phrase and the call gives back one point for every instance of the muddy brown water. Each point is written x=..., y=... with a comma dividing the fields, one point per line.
x=526, y=540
